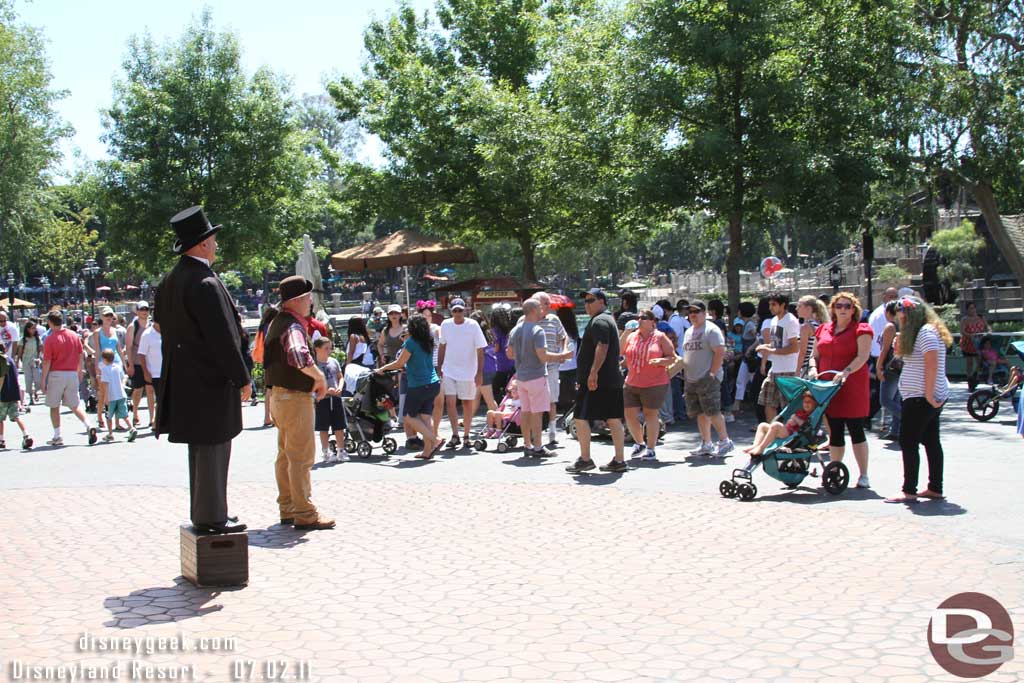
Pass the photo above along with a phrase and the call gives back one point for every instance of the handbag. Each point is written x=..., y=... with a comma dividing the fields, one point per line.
x=675, y=367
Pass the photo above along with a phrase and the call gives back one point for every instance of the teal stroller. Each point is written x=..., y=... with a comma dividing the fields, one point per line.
x=789, y=459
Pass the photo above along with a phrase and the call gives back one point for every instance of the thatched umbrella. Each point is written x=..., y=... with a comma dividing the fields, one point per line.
x=402, y=248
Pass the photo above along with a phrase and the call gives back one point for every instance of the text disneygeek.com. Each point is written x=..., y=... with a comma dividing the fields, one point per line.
x=131, y=668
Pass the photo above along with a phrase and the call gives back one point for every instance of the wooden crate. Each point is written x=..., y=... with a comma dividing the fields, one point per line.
x=214, y=559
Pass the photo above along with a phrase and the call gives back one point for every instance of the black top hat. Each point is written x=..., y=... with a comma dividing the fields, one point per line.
x=192, y=227
x=294, y=286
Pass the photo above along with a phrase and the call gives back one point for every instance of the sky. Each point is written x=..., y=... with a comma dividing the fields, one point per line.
x=306, y=40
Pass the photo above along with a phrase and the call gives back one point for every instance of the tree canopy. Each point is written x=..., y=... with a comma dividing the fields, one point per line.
x=188, y=126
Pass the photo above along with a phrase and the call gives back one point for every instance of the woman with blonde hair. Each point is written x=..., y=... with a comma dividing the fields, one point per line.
x=843, y=346
x=812, y=311
x=922, y=345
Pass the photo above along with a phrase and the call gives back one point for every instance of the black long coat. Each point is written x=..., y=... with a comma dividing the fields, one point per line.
x=203, y=368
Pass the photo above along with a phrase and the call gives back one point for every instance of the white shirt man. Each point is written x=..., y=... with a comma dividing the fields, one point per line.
x=150, y=354
x=781, y=351
x=461, y=356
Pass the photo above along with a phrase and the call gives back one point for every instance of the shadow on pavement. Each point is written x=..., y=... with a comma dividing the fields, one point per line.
x=703, y=460
x=936, y=508
x=820, y=496
x=277, y=537
x=162, y=604
x=524, y=461
x=637, y=463
x=597, y=478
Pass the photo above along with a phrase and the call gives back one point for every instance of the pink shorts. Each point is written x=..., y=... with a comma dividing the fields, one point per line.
x=534, y=396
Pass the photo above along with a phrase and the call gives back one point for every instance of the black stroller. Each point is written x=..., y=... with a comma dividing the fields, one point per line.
x=366, y=414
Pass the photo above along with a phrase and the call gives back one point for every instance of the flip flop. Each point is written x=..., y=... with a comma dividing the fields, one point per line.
x=901, y=499
x=931, y=495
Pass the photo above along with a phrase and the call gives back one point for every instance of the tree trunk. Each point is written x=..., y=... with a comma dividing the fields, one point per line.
x=983, y=194
x=733, y=259
x=527, y=246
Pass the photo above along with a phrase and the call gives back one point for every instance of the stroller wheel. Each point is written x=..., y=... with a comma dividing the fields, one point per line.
x=983, y=405
x=746, y=491
x=389, y=445
x=511, y=441
x=835, y=478
x=333, y=445
x=727, y=488
x=570, y=427
x=350, y=445
x=502, y=447
x=363, y=449
x=480, y=445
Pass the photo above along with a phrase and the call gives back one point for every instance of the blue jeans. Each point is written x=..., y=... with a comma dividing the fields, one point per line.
x=678, y=402
x=889, y=395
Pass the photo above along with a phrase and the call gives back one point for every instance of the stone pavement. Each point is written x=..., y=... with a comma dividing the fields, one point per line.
x=489, y=567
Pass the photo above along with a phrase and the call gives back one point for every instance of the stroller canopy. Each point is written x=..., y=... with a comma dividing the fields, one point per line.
x=794, y=387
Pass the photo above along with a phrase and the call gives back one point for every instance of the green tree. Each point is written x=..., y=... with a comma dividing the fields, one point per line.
x=30, y=131
x=476, y=145
x=62, y=244
x=761, y=106
x=972, y=132
x=958, y=247
x=188, y=126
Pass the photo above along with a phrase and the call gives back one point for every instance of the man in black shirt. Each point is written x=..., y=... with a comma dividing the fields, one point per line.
x=600, y=383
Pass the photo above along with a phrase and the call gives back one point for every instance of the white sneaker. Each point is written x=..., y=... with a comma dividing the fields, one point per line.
x=730, y=417
x=862, y=482
x=56, y=441
x=341, y=456
x=327, y=456
x=725, y=447
x=705, y=449
x=650, y=455
x=638, y=450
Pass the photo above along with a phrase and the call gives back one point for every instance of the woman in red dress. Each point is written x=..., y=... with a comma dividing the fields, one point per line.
x=972, y=326
x=843, y=346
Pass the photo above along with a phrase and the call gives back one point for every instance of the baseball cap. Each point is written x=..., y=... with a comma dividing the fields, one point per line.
x=457, y=304
x=906, y=291
x=143, y=305
x=698, y=304
x=595, y=292
x=378, y=309
x=658, y=311
x=632, y=325
x=393, y=308
x=106, y=310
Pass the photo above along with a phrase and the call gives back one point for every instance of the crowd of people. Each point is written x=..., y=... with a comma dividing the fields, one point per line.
x=630, y=371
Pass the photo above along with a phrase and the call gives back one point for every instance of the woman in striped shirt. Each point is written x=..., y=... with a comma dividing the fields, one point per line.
x=922, y=345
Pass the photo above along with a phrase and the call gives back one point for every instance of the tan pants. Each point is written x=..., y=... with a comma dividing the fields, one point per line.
x=293, y=413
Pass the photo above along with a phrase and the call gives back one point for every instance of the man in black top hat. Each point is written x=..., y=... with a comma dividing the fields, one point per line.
x=205, y=378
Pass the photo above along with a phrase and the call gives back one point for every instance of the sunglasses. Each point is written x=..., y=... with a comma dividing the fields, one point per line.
x=842, y=306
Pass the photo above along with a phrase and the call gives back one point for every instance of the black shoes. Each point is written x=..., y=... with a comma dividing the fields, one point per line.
x=413, y=444
x=287, y=521
x=580, y=466
x=615, y=466
x=220, y=528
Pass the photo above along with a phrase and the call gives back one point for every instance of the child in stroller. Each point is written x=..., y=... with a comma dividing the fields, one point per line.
x=786, y=455
x=504, y=424
x=507, y=411
x=367, y=410
x=768, y=432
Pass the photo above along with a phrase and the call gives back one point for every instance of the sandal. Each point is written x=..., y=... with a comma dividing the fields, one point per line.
x=902, y=498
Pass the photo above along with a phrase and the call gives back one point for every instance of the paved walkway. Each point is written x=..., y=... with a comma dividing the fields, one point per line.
x=490, y=567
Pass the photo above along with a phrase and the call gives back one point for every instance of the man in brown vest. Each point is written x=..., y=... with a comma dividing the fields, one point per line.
x=292, y=371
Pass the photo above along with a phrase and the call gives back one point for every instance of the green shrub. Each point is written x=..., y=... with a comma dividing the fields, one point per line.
x=891, y=272
x=950, y=314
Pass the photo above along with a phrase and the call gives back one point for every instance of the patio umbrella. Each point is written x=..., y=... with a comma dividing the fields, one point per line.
x=401, y=248
x=308, y=266
x=18, y=303
x=561, y=301
x=633, y=285
x=103, y=288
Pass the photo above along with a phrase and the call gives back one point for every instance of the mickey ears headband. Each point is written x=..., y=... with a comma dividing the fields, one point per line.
x=907, y=303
